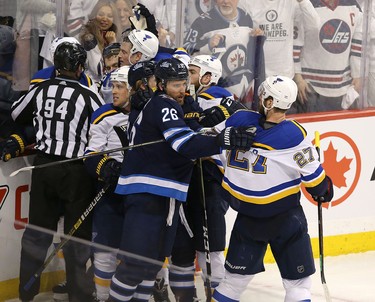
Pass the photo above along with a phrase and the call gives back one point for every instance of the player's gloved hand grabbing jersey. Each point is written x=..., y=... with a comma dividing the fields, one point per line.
x=215, y=115
x=143, y=19
x=328, y=195
x=12, y=147
x=236, y=138
x=109, y=170
x=139, y=99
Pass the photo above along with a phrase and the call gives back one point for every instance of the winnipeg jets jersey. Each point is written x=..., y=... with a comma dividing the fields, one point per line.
x=164, y=168
x=331, y=55
x=236, y=52
x=277, y=18
x=108, y=131
x=266, y=180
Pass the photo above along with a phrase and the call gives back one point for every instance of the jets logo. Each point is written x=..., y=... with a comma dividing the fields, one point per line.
x=335, y=36
x=4, y=190
x=272, y=15
x=234, y=58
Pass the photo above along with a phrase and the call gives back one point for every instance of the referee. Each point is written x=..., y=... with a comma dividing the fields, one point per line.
x=59, y=111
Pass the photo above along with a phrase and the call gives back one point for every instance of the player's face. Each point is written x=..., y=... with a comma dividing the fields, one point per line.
x=125, y=59
x=120, y=94
x=105, y=17
x=124, y=11
x=110, y=64
x=176, y=90
x=194, y=75
x=228, y=8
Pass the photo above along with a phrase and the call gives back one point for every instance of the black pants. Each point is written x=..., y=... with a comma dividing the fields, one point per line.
x=62, y=189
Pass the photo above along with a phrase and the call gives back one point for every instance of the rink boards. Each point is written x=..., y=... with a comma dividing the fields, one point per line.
x=347, y=146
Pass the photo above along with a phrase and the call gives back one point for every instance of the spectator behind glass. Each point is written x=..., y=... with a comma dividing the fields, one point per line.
x=78, y=15
x=124, y=10
x=226, y=32
x=99, y=32
x=7, y=94
x=330, y=58
x=278, y=19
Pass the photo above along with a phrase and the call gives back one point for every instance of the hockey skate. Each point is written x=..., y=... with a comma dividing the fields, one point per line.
x=60, y=292
x=160, y=291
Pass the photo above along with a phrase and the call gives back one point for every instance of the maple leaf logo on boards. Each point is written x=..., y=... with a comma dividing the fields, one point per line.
x=336, y=168
x=342, y=162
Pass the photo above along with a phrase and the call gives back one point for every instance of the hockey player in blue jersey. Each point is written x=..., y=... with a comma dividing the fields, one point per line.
x=155, y=178
x=263, y=186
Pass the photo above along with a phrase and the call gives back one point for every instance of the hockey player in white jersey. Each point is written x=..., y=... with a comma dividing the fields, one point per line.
x=328, y=65
x=263, y=186
x=108, y=131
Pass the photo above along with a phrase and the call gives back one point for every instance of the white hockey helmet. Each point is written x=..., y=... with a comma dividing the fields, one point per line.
x=282, y=89
x=145, y=42
x=208, y=64
x=121, y=75
x=57, y=41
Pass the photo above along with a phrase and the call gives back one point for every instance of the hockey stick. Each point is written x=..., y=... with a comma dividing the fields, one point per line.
x=83, y=157
x=206, y=244
x=320, y=231
x=75, y=227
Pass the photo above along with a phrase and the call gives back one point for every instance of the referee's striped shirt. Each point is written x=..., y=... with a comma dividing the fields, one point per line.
x=60, y=110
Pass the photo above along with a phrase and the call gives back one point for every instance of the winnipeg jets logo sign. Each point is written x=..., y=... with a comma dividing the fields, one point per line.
x=335, y=36
x=271, y=15
x=234, y=59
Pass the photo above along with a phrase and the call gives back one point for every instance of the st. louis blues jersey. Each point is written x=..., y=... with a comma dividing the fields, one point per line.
x=266, y=180
x=212, y=96
x=50, y=73
x=163, y=168
x=108, y=131
x=331, y=55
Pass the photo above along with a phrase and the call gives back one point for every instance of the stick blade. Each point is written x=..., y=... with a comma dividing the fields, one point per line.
x=21, y=170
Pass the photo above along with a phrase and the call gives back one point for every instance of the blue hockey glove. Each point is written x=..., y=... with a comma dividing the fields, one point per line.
x=12, y=147
x=109, y=171
x=328, y=195
x=237, y=138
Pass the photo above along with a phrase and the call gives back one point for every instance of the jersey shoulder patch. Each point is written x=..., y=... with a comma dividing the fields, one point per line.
x=102, y=112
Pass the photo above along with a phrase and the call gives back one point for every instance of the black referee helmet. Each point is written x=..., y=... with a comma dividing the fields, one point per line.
x=69, y=56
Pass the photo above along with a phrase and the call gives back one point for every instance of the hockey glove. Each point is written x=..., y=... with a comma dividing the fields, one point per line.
x=12, y=147
x=236, y=138
x=140, y=98
x=143, y=19
x=328, y=195
x=215, y=115
x=109, y=171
